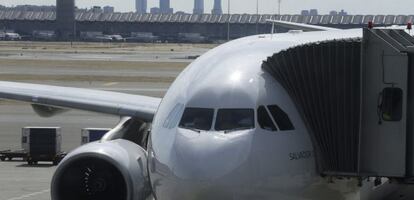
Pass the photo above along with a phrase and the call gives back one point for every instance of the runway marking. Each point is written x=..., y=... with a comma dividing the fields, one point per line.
x=29, y=195
x=111, y=83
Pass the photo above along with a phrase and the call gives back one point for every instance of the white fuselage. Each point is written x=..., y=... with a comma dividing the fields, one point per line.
x=246, y=164
x=12, y=36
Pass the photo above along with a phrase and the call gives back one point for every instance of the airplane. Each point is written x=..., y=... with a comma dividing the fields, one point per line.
x=12, y=36
x=142, y=37
x=191, y=37
x=44, y=35
x=225, y=129
x=99, y=37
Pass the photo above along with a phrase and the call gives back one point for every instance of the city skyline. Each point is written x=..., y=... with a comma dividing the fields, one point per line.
x=249, y=6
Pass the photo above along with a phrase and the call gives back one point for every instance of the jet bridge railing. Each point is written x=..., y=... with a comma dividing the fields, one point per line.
x=356, y=98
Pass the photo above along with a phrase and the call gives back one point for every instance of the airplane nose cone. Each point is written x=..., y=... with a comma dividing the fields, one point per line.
x=210, y=156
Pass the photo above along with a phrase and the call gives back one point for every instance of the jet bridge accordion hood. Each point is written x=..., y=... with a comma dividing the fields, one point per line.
x=355, y=96
x=323, y=79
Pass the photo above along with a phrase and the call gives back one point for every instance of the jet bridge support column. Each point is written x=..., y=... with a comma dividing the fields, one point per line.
x=410, y=117
x=385, y=122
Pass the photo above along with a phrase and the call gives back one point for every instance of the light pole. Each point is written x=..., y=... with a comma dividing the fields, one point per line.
x=279, y=5
x=228, y=20
x=257, y=14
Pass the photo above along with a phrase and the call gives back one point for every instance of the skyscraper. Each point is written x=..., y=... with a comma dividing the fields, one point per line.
x=198, y=7
x=313, y=12
x=108, y=9
x=165, y=7
x=217, y=8
x=141, y=6
x=65, y=18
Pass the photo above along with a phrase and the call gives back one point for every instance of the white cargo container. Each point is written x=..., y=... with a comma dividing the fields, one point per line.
x=42, y=143
x=93, y=134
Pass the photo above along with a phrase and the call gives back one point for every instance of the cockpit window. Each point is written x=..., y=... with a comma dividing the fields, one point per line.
x=281, y=118
x=172, y=119
x=197, y=118
x=234, y=119
x=264, y=119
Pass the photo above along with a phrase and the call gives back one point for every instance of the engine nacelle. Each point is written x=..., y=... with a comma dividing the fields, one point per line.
x=47, y=111
x=103, y=170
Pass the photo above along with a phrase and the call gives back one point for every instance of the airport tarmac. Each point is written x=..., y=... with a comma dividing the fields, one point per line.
x=134, y=73
x=148, y=71
x=158, y=52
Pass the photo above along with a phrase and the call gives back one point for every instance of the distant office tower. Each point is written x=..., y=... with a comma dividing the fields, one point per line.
x=65, y=18
x=141, y=6
x=304, y=12
x=165, y=7
x=217, y=8
x=333, y=13
x=155, y=10
x=96, y=9
x=198, y=7
x=342, y=13
x=313, y=12
x=108, y=9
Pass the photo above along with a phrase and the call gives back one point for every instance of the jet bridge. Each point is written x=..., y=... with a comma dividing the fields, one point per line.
x=356, y=97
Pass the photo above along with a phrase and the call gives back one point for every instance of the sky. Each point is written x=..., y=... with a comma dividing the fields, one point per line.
x=404, y=7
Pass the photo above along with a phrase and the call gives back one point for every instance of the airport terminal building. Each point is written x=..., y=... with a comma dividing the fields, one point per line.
x=174, y=27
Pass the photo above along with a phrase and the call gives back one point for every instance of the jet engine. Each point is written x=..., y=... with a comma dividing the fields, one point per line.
x=47, y=111
x=103, y=170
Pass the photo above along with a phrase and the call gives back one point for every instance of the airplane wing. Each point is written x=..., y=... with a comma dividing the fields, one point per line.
x=114, y=103
x=300, y=26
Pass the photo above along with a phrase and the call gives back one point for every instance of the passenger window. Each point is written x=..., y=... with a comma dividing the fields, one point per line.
x=264, y=119
x=281, y=118
x=197, y=118
x=234, y=119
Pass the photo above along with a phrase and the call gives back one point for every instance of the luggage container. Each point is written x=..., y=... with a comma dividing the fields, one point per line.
x=93, y=134
x=42, y=144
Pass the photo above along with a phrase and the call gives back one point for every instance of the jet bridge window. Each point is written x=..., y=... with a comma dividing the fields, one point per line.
x=264, y=119
x=197, y=118
x=234, y=119
x=24, y=139
x=391, y=104
x=281, y=118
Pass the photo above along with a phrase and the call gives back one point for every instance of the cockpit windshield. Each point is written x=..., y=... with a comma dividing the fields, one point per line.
x=197, y=118
x=234, y=119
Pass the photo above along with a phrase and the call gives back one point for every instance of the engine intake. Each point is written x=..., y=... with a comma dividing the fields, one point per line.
x=91, y=178
x=105, y=171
